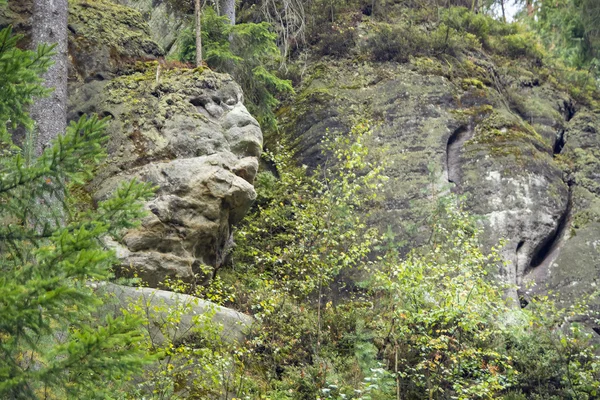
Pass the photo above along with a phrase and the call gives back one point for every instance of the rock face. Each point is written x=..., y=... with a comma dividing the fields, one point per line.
x=185, y=131
x=440, y=134
x=165, y=23
x=191, y=137
x=574, y=268
x=104, y=37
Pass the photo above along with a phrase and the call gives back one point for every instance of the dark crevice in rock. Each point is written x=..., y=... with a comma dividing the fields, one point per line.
x=523, y=302
x=455, y=143
x=569, y=110
x=559, y=143
x=521, y=243
x=547, y=251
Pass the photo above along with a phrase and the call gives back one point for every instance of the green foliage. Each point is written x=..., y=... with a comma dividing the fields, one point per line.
x=441, y=314
x=457, y=31
x=20, y=83
x=246, y=51
x=569, y=29
x=53, y=342
x=399, y=42
x=433, y=324
x=310, y=228
x=292, y=253
x=193, y=361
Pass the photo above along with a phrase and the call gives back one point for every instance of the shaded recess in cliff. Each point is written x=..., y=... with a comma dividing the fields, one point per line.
x=549, y=249
x=454, y=147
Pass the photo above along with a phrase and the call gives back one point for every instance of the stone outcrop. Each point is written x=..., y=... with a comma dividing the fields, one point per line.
x=104, y=38
x=166, y=23
x=184, y=131
x=191, y=137
x=573, y=266
x=440, y=134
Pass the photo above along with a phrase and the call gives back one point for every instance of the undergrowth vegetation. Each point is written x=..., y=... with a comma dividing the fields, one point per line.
x=429, y=324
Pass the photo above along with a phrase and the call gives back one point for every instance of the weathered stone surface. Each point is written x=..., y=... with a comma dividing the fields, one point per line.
x=104, y=37
x=192, y=138
x=234, y=324
x=439, y=134
x=165, y=23
x=574, y=271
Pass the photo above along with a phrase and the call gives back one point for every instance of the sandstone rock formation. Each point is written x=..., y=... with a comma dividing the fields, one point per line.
x=165, y=22
x=440, y=134
x=191, y=137
x=104, y=37
x=186, y=131
x=233, y=325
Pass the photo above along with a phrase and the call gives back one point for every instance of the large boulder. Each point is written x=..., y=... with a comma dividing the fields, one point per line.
x=191, y=137
x=162, y=305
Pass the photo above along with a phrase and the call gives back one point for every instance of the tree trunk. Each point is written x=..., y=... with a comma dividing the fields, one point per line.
x=198, y=14
x=227, y=8
x=503, y=11
x=50, y=113
x=530, y=9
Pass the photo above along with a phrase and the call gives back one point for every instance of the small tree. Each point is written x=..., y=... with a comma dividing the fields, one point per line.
x=247, y=52
x=440, y=314
x=53, y=344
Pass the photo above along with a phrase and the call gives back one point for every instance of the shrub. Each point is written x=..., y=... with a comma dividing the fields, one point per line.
x=337, y=40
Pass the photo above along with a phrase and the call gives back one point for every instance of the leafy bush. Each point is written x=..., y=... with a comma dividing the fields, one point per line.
x=400, y=42
x=307, y=232
x=336, y=40
x=441, y=315
x=394, y=43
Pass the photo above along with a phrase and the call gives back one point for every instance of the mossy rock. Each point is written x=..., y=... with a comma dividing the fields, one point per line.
x=190, y=136
x=442, y=131
x=106, y=38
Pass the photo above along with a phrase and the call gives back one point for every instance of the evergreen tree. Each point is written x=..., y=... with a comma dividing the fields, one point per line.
x=248, y=53
x=53, y=344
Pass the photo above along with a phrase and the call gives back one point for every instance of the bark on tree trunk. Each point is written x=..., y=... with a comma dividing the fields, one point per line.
x=50, y=113
x=227, y=8
x=530, y=9
x=503, y=11
x=198, y=14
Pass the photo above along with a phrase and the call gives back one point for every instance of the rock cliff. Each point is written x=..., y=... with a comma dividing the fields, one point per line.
x=519, y=149
x=498, y=129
